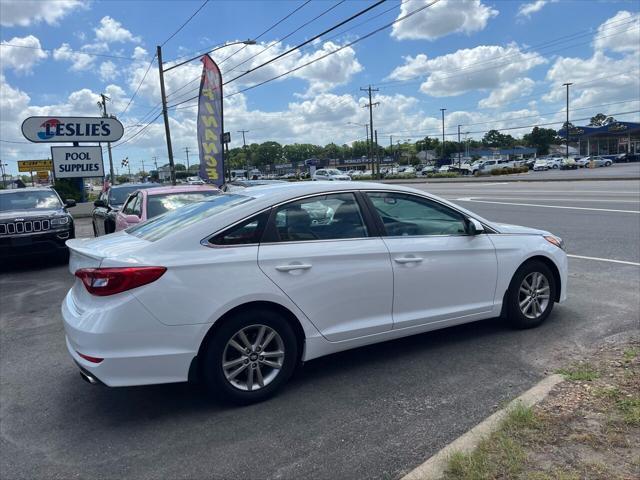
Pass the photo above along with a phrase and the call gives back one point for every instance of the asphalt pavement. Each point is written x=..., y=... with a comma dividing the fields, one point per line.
x=374, y=412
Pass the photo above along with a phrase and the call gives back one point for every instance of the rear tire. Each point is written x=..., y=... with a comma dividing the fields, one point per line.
x=531, y=295
x=261, y=345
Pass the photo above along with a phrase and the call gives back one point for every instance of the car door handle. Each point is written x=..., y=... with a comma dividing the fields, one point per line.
x=408, y=260
x=290, y=268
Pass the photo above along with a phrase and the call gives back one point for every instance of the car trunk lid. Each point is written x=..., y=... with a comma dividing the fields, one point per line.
x=91, y=252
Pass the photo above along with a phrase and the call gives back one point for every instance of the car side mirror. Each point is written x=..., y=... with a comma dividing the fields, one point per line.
x=70, y=202
x=474, y=227
x=132, y=219
x=99, y=203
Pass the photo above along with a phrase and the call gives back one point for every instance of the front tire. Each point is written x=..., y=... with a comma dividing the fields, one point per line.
x=531, y=295
x=250, y=357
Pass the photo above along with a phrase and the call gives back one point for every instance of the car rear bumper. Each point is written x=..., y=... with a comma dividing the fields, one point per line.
x=134, y=347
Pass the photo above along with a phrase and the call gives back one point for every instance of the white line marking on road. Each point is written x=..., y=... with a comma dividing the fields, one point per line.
x=610, y=260
x=471, y=199
x=594, y=200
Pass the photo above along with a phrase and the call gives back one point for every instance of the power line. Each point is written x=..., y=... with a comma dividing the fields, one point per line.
x=267, y=31
x=306, y=42
x=185, y=23
x=408, y=81
x=337, y=34
x=138, y=87
x=324, y=12
x=377, y=30
x=118, y=57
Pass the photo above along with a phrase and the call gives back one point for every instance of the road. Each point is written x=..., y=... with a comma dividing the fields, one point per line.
x=374, y=412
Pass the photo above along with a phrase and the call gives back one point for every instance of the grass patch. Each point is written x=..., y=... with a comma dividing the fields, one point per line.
x=630, y=409
x=631, y=353
x=499, y=456
x=580, y=372
x=609, y=393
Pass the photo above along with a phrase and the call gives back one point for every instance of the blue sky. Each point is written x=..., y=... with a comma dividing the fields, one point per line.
x=491, y=64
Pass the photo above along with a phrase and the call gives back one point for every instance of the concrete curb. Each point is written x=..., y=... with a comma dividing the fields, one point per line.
x=434, y=467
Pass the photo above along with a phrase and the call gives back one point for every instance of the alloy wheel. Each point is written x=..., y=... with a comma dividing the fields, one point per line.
x=533, y=297
x=253, y=357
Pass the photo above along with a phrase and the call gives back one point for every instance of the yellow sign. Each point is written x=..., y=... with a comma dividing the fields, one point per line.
x=34, y=165
x=43, y=175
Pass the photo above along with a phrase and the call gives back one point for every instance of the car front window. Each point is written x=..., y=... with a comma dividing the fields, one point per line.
x=29, y=200
x=408, y=215
x=163, y=225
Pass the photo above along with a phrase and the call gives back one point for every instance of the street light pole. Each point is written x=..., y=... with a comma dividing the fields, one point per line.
x=443, y=110
x=459, y=159
x=567, y=124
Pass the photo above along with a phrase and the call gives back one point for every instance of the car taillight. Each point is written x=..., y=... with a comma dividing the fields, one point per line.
x=109, y=281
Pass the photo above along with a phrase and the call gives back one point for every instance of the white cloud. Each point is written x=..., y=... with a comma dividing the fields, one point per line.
x=528, y=9
x=468, y=69
x=620, y=33
x=443, y=18
x=112, y=31
x=336, y=69
x=26, y=12
x=507, y=92
x=108, y=71
x=80, y=61
x=22, y=57
x=139, y=53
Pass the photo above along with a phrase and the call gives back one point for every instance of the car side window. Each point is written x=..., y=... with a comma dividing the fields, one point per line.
x=128, y=207
x=409, y=215
x=247, y=232
x=325, y=217
x=136, y=209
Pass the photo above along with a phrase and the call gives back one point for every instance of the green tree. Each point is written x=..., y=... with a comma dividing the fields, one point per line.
x=493, y=138
x=600, y=120
x=180, y=167
x=540, y=139
x=268, y=153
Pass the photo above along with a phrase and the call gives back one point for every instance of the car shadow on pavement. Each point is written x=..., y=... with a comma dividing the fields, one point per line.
x=33, y=262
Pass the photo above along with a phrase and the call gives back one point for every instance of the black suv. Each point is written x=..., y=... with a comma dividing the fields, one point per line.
x=106, y=207
x=34, y=221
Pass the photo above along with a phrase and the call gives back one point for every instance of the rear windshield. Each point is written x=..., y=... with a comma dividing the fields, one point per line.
x=159, y=204
x=159, y=227
x=29, y=200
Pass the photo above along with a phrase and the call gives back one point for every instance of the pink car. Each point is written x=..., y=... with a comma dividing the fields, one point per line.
x=151, y=202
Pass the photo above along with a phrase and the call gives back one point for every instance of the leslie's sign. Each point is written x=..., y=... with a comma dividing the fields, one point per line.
x=72, y=129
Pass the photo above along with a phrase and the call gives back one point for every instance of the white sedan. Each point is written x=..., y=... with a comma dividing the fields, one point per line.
x=330, y=174
x=232, y=291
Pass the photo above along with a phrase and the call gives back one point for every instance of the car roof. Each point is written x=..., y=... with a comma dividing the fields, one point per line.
x=135, y=185
x=27, y=189
x=179, y=189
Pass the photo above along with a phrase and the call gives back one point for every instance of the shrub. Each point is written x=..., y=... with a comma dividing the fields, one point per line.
x=67, y=189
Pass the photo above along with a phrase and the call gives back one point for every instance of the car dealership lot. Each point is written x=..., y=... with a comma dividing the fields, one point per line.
x=374, y=412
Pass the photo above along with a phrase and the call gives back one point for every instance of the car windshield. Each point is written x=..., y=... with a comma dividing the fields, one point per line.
x=117, y=196
x=159, y=204
x=161, y=226
x=334, y=172
x=29, y=200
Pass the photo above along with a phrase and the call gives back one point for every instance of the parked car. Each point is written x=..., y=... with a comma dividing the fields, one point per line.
x=428, y=169
x=554, y=163
x=569, y=164
x=151, y=202
x=330, y=174
x=540, y=164
x=103, y=216
x=195, y=181
x=236, y=185
x=583, y=162
x=601, y=161
x=34, y=221
x=238, y=289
